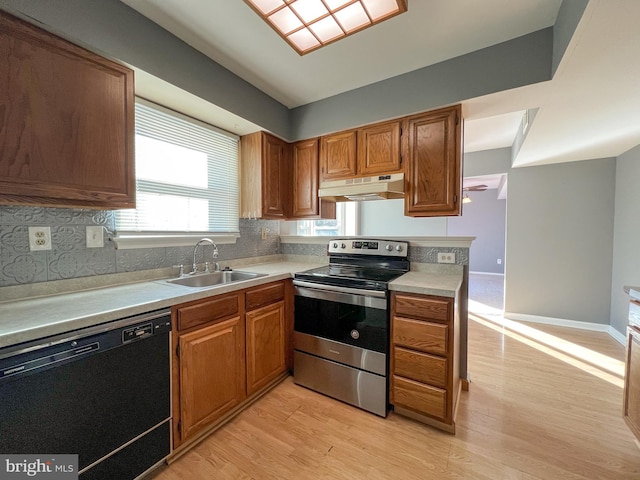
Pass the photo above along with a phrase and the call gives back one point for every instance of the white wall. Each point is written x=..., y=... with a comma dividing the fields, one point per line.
x=386, y=217
x=560, y=239
x=626, y=239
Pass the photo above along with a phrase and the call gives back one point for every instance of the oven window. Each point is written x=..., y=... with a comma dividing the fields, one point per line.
x=363, y=327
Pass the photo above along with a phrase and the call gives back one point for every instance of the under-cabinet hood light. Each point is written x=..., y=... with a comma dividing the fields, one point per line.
x=307, y=25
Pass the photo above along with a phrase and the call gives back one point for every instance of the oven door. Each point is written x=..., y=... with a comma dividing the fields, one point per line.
x=345, y=315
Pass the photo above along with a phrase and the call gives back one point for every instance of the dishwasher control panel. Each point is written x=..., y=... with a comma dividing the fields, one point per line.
x=139, y=331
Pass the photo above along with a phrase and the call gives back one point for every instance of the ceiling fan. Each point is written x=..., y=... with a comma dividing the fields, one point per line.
x=475, y=188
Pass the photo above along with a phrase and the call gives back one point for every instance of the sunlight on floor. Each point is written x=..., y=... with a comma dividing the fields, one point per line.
x=597, y=364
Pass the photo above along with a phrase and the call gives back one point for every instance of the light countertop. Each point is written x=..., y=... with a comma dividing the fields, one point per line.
x=426, y=283
x=39, y=317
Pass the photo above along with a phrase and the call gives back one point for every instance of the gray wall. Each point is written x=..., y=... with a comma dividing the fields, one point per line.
x=560, y=239
x=69, y=257
x=626, y=253
x=483, y=218
x=487, y=162
x=386, y=217
x=508, y=65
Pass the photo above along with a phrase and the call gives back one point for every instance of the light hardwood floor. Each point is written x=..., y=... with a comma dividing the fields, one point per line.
x=541, y=408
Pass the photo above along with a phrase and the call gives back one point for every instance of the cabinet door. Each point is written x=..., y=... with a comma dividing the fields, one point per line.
x=66, y=122
x=274, y=164
x=632, y=383
x=265, y=346
x=305, y=179
x=338, y=156
x=379, y=149
x=212, y=374
x=433, y=157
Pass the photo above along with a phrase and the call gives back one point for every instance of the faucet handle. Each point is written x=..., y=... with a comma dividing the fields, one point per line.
x=207, y=267
x=215, y=251
x=181, y=267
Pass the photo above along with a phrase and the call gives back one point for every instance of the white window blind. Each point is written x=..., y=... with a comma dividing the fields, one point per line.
x=186, y=176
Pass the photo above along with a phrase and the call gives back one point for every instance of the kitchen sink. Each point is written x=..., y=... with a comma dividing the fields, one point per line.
x=215, y=278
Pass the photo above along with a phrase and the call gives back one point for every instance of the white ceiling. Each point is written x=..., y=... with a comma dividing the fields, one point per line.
x=586, y=111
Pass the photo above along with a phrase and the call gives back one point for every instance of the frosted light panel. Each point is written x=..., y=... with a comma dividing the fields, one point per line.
x=304, y=39
x=285, y=20
x=326, y=29
x=309, y=10
x=380, y=8
x=352, y=17
x=267, y=6
x=310, y=24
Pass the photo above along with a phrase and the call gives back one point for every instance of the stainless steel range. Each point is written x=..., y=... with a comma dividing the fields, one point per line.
x=341, y=330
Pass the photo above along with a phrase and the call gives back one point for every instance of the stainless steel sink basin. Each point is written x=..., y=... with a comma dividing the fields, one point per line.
x=215, y=278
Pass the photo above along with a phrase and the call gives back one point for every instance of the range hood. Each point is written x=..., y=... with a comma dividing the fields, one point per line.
x=379, y=187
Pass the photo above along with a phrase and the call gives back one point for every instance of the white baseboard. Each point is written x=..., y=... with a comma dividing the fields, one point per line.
x=620, y=337
x=561, y=322
x=487, y=273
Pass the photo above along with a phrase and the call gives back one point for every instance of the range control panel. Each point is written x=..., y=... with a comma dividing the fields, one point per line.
x=390, y=248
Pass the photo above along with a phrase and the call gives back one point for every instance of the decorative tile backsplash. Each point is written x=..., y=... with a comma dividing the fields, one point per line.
x=70, y=258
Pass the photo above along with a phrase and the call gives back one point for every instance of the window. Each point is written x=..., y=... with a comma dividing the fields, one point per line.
x=344, y=224
x=186, y=176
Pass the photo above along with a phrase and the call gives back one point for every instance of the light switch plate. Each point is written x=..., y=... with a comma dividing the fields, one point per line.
x=95, y=238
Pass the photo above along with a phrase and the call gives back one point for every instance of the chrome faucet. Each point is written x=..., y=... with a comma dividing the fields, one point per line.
x=195, y=250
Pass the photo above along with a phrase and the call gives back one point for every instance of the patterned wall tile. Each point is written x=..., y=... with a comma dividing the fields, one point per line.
x=68, y=238
x=304, y=249
x=140, y=259
x=14, y=239
x=81, y=263
x=22, y=268
x=22, y=215
x=430, y=254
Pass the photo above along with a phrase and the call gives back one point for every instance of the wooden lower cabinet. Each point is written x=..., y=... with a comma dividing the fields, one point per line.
x=266, y=338
x=424, y=365
x=212, y=365
x=632, y=382
x=227, y=350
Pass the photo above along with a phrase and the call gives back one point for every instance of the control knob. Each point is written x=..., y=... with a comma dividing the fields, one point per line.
x=343, y=246
x=335, y=245
x=388, y=248
x=398, y=248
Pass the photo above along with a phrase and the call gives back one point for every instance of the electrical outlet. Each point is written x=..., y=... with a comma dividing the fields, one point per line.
x=264, y=233
x=95, y=238
x=39, y=238
x=499, y=261
x=445, y=257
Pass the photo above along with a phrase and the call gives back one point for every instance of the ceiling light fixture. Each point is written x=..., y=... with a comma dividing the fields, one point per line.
x=466, y=198
x=307, y=25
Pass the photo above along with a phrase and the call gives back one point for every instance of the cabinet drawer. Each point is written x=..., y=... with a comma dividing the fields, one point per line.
x=424, y=336
x=429, y=308
x=420, y=367
x=420, y=397
x=260, y=296
x=204, y=312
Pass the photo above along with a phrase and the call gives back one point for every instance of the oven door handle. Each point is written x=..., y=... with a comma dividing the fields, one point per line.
x=352, y=296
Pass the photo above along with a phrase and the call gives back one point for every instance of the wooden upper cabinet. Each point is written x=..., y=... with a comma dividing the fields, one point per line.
x=433, y=156
x=274, y=164
x=66, y=122
x=263, y=175
x=304, y=201
x=338, y=155
x=379, y=149
x=371, y=150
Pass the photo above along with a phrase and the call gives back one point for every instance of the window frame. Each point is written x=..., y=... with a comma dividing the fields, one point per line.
x=129, y=239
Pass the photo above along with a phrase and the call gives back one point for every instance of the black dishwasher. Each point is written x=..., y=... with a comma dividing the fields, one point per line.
x=102, y=393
